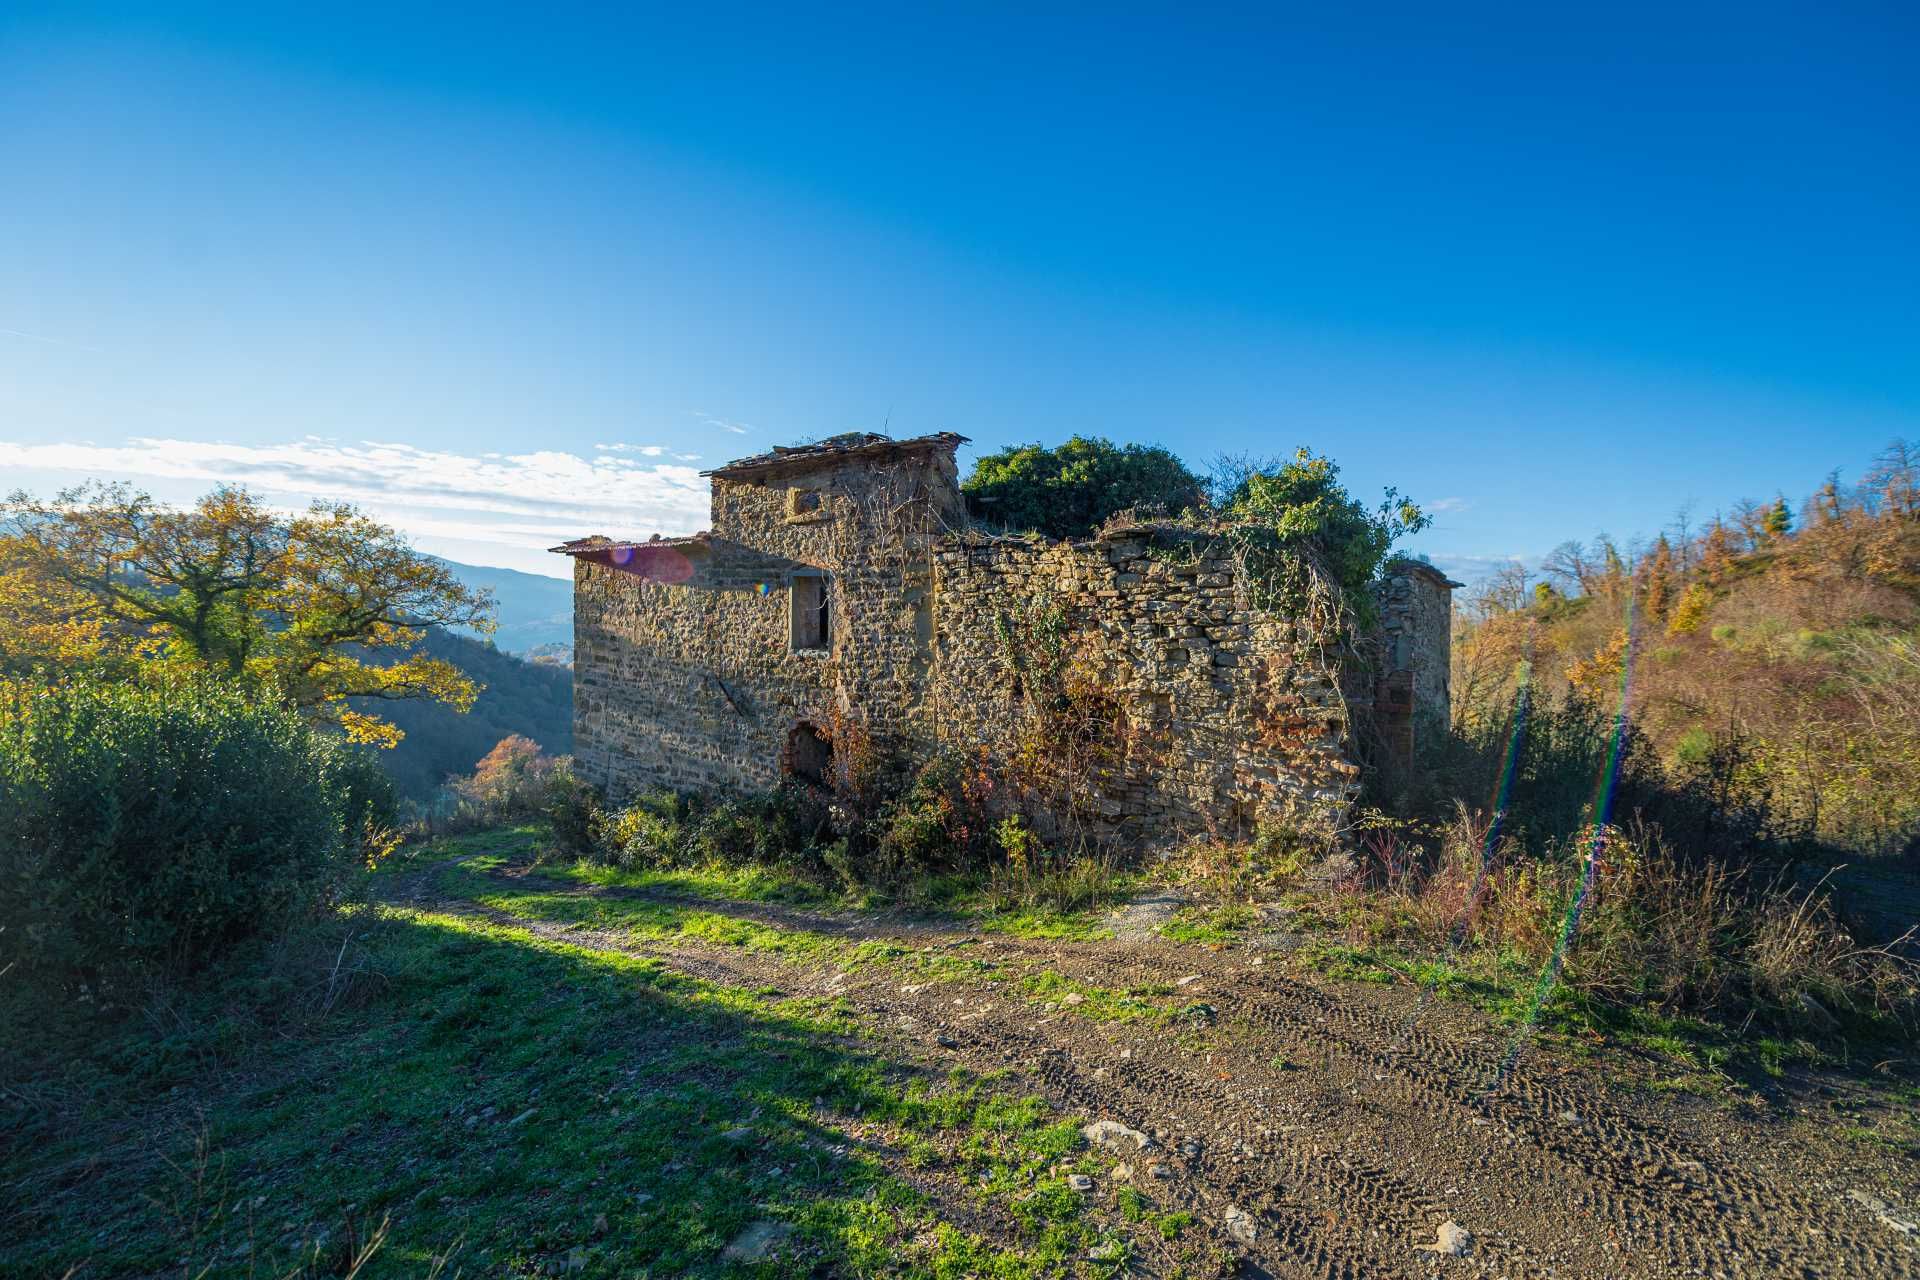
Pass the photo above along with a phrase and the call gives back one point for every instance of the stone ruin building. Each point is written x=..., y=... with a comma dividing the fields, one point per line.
x=842, y=599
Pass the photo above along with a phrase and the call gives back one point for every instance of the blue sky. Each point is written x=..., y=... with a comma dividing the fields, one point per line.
x=516, y=275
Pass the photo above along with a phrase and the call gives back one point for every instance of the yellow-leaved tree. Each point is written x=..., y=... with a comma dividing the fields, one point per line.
x=319, y=608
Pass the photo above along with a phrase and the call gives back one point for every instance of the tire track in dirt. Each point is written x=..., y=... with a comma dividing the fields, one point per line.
x=1640, y=1176
x=1323, y=1206
x=1321, y=1238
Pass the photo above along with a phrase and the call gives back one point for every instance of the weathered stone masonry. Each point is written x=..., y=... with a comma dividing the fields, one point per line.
x=695, y=667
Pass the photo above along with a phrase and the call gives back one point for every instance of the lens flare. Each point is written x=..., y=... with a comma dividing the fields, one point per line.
x=1502, y=798
x=1601, y=809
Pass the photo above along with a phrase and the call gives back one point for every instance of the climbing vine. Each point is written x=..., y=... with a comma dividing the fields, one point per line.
x=1072, y=735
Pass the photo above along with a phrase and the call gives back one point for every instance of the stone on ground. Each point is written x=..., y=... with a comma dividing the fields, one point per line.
x=1114, y=1136
x=757, y=1242
x=1450, y=1239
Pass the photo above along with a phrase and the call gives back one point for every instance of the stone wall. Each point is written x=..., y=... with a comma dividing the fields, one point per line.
x=1222, y=715
x=1413, y=696
x=1191, y=710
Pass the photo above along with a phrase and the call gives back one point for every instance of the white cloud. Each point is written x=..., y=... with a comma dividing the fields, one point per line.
x=41, y=337
x=517, y=502
x=1472, y=569
x=737, y=428
x=1447, y=504
x=644, y=450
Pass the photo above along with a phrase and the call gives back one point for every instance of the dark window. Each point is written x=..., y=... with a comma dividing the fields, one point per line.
x=809, y=755
x=812, y=612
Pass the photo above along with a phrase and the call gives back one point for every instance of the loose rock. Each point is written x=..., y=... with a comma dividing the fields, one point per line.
x=1114, y=1136
x=1449, y=1239
x=1887, y=1215
x=757, y=1242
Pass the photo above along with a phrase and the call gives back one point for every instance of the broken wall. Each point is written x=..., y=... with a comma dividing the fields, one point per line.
x=1220, y=715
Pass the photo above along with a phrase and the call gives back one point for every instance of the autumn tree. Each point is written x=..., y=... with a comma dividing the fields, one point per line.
x=44, y=621
x=509, y=781
x=1573, y=568
x=1717, y=550
x=1826, y=504
x=1894, y=480
x=319, y=608
x=1613, y=570
x=1690, y=610
x=1660, y=579
x=1749, y=517
x=1777, y=522
x=1504, y=590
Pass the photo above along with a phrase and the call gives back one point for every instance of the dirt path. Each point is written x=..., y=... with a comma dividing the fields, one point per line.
x=1329, y=1131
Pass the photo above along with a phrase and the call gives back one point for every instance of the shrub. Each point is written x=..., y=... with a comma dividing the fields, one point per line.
x=144, y=827
x=1646, y=929
x=650, y=832
x=369, y=800
x=939, y=823
x=573, y=807
x=1067, y=492
x=1297, y=512
x=510, y=781
x=1549, y=758
x=783, y=827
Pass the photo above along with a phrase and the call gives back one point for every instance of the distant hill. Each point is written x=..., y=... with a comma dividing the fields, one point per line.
x=534, y=699
x=1771, y=659
x=535, y=612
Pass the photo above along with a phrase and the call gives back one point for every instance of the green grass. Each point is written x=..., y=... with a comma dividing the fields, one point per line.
x=1101, y=1004
x=513, y=1102
x=1223, y=923
x=1687, y=1054
x=685, y=918
x=965, y=900
x=732, y=883
x=505, y=844
x=1079, y=914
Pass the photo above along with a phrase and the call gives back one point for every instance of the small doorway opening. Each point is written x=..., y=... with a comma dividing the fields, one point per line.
x=810, y=755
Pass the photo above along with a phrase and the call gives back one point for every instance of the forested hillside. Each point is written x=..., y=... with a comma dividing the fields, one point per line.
x=1773, y=653
x=532, y=614
x=517, y=697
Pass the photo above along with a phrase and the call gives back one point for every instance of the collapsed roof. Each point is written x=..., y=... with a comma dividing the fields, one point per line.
x=852, y=444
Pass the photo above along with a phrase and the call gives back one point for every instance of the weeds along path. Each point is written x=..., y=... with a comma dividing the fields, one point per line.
x=1312, y=1133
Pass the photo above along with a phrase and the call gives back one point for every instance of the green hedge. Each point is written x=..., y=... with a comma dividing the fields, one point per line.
x=146, y=826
